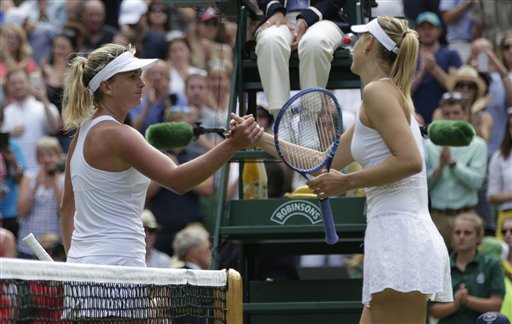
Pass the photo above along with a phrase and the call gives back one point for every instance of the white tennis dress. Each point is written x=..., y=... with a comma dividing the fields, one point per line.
x=109, y=231
x=108, y=227
x=403, y=249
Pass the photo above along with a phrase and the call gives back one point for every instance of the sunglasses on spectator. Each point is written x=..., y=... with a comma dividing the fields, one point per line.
x=450, y=98
x=469, y=85
x=506, y=47
x=506, y=230
x=158, y=10
x=455, y=96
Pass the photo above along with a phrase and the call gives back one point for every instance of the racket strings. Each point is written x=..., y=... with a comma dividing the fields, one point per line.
x=309, y=127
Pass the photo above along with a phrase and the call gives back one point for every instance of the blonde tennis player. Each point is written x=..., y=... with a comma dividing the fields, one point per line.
x=110, y=164
x=405, y=259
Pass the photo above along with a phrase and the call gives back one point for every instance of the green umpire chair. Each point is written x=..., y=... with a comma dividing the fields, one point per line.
x=258, y=227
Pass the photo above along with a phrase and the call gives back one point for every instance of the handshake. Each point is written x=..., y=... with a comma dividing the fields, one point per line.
x=244, y=131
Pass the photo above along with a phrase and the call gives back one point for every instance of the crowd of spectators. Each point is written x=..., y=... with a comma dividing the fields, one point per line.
x=465, y=68
x=190, y=82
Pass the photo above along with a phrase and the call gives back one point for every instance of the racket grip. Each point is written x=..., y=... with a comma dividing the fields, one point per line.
x=331, y=237
x=36, y=248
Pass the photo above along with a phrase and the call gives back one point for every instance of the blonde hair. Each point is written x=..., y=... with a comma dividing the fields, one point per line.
x=475, y=220
x=403, y=64
x=79, y=102
x=24, y=51
x=507, y=34
x=48, y=144
x=192, y=76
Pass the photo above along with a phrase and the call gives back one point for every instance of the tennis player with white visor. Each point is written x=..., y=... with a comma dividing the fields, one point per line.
x=110, y=164
x=405, y=259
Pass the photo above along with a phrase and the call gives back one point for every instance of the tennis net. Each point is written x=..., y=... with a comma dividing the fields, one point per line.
x=55, y=292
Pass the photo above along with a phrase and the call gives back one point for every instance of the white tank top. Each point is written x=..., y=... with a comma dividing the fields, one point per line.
x=108, y=206
x=406, y=196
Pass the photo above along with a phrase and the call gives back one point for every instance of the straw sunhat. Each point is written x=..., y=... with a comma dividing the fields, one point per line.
x=466, y=73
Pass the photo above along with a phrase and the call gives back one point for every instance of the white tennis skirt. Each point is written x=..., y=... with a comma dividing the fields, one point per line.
x=406, y=253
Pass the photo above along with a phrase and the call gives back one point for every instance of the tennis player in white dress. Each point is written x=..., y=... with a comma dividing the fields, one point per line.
x=405, y=262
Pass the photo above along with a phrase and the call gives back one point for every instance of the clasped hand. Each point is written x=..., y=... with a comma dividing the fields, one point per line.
x=461, y=295
x=445, y=158
x=244, y=131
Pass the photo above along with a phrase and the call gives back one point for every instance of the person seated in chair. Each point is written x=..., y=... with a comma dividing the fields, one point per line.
x=314, y=28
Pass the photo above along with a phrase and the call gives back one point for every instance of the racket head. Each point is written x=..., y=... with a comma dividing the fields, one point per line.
x=310, y=119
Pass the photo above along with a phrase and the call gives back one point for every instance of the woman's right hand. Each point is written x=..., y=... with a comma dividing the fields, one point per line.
x=244, y=131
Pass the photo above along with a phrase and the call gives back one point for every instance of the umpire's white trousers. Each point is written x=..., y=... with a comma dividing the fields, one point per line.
x=316, y=49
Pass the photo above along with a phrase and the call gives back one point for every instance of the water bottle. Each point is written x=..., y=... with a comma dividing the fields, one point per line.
x=254, y=178
x=250, y=179
x=348, y=41
x=262, y=173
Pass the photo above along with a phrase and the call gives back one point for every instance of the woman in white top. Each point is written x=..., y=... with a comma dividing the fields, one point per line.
x=178, y=57
x=109, y=164
x=499, y=191
x=405, y=259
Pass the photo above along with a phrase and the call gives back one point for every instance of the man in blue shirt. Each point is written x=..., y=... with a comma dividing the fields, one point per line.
x=435, y=63
x=454, y=174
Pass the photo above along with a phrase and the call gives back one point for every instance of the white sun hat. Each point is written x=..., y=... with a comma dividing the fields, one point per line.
x=123, y=63
x=376, y=30
x=131, y=11
x=16, y=16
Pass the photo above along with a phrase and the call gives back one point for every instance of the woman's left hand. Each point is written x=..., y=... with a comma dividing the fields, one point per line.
x=332, y=183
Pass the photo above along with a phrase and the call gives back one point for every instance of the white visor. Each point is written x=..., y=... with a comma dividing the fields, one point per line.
x=376, y=30
x=123, y=63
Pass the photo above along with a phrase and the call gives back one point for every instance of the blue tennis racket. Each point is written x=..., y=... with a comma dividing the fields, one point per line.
x=306, y=134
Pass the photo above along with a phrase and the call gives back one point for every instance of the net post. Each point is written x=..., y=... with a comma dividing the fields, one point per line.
x=234, y=298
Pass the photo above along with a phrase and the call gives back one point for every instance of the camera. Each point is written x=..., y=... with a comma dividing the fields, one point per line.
x=35, y=79
x=173, y=98
x=51, y=172
x=483, y=62
x=59, y=167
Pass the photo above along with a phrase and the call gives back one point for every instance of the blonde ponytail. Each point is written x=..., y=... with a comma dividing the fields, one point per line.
x=403, y=65
x=78, y=100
